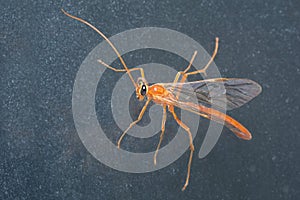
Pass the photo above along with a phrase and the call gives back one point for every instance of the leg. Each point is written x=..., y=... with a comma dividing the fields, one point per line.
x=135, y=122
x=188, y=67
x=209, y=62
x=122, y=70
x=187, y=129
x=184, y=74
x=162, y=132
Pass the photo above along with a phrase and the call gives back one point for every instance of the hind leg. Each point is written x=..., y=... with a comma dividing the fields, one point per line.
x=187, y=129
x=162, y=132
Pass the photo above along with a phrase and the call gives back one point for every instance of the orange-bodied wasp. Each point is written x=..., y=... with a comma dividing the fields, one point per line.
x=237, y=92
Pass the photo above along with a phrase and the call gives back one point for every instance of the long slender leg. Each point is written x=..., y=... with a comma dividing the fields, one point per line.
x=209, y=62
x=187, y=129
x=122, y=70
x=134, y=122
x=162, y=132
x=188, y=67
x=184, y=73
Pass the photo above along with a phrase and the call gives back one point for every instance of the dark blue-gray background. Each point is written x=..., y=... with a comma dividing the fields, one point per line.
x=41, y=49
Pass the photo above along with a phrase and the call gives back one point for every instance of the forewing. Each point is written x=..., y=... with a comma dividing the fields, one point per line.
x=232, y=92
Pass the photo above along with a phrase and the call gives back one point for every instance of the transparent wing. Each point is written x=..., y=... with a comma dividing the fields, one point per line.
x=232, y=92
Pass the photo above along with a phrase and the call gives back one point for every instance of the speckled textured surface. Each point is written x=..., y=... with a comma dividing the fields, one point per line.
x=41, y=51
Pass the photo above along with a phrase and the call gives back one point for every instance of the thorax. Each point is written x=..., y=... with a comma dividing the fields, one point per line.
x=159, y=94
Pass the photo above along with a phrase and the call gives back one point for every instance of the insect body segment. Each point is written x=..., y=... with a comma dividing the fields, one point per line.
x=142, y=88
x=237, y=92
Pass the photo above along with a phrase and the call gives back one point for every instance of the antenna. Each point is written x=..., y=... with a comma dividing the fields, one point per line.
x=107, y=40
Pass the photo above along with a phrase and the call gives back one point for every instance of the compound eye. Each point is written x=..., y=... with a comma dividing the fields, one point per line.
x=143, y=90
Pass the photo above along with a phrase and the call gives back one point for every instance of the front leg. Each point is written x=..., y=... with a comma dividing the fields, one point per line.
x=134, y=122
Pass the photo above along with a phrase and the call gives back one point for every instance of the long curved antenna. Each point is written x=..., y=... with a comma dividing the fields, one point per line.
x=107, y=40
